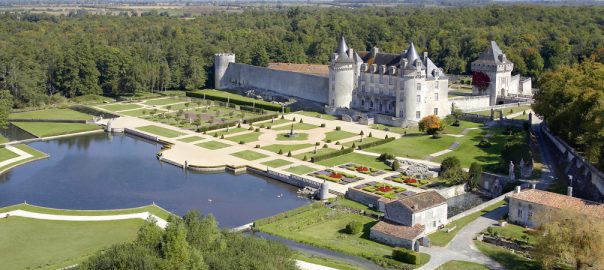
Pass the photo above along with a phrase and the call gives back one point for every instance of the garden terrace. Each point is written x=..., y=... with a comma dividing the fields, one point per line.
x=358, y=158
x=116, y=107
x=284, y=148
x=382, y=189
x=297, y=126
x=48, y=129
x=408, y=180
x=336, y=176
x=362, y=169
x=63, y=114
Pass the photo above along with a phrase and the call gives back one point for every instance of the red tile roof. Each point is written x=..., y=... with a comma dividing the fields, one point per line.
x=400, y=231
x=320, y=70
x=560, y=201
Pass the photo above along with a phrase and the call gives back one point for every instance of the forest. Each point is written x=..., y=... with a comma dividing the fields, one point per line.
x=43, y=55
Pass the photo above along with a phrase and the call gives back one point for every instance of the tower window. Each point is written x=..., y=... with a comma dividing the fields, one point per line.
x=436, y=85
x=418, y=114
x=418, y=98
x=435, y=96
x=435, y=111
x=419, y=86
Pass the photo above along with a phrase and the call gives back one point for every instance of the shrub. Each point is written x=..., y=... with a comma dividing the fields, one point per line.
x=250, y=128
x=385, y=156
x=484, y=143
x=283, y=116
x=301, y=121
x=317, y=143
x=257, y=130
x=280, y=152
x=354, y=227
x=257, y=146
x=239, y=125
x=305, y=158
x=294, y=120
x=431, y=124
x=322, y=124
x=370, y=134
x=338, y=143
x=325, y=146
x=406, y=256
x=375, y=143
x=474, y=174
x=395, y=165
x=215, y=135
x=342, y=148
x=241, y=142
x=222, y=136
x=328, y=141
x=450, y=163
x=338, y=128
x=289, y=154
x=318, y=158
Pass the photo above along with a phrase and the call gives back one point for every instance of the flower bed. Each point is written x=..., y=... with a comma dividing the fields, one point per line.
x=382, y=189
x=336, y=176
x=362, y=169
x=412, y=181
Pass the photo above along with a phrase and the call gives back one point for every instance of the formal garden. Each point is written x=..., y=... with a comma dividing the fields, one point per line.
x=336, y=176
x=383, y=189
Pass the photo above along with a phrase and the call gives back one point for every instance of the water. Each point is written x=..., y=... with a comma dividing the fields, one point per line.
x=104, y=171
x=463, y=202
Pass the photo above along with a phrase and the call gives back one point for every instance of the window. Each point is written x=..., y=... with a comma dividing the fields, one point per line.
x=390, y=80
x=418, y=114
x=435, y=96
x=519, y=214
x=435, y=111
x=371, y=78
x=436, y=85
x=419, y=86
x=418, y=98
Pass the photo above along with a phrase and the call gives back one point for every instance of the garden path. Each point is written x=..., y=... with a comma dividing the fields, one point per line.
x=162, y=223
x=22, y=155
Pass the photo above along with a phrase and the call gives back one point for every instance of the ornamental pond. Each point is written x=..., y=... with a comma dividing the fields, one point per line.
x=111, y=171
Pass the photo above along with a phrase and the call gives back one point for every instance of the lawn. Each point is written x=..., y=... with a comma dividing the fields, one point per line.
x=343, y=202
x=318, y=115
x=142, y=112
x=509, y=260
x=213, y=145
x=297, y=126
x=469, y=151
x=245, y=138
x=3, y=139
x=506, y=111
x=511, y=231
x=52, y=114
x=231, y=96
x=441, y=238
x=462, y=125
x=462, y=265
x=6, y=154
x=329, y=262
x=249, y=155
x=44, y=129
x=340, y=135
x=414, y=146
x=276, y=163
x=163, y=101
x=35, y=155
x=322, y=227
x=286, y=147
x=299, y=137
x=300, y=169
x=190, y=139
x=120, y=107
x=398, y=130
x=358, y=141
x=160, y=131
x=224, y=132
x=153, y=209
x=356, y=158
x=310, y=154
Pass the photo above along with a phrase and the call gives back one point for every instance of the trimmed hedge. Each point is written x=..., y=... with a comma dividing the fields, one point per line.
x=331, y=155
x=215, y=126
x=406, y=256
x=212, y=96
x=260, y=118
x=375, y=143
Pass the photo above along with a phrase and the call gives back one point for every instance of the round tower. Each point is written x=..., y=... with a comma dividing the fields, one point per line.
x=323, y=193
x=221, y=63
x=341, y=77
x=411, y=80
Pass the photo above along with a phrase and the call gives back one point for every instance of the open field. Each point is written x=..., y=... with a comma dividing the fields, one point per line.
x=44, y=129
x=52, y=114
x=160, y=131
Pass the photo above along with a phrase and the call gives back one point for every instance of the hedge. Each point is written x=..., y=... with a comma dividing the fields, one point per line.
x=215, y=126
x=406, y=256
x=331, y=155
x=212, y=96
x=260, y=118
x=375, y=143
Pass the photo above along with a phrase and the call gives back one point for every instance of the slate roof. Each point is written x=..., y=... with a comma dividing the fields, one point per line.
x=421, y=201
x=491, y=55
x=400, y=231
x=342, y=52
x=559, y=201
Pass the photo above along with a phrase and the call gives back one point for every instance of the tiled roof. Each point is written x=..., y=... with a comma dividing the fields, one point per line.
x=491, y=55
x=400, y=231
x=560, y=201
x=421, y=201
x=320, y=70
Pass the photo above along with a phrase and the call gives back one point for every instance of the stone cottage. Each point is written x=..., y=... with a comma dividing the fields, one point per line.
x=408, y=220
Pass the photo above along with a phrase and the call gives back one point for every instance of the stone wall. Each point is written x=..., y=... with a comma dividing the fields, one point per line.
x=306, y=86
x=492, y=183
x=363, y=197
x=390, y=240
x=479, y=207
x=452, y=191
x=470, y=103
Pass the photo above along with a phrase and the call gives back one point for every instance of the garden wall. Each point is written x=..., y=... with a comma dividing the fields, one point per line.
x=479, y=207
x=290, y=179
x=452, y=191
x=363, y=197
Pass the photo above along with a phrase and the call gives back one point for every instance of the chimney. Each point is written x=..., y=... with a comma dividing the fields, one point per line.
x=425, y=55
x=518, y=189
x=569, y=191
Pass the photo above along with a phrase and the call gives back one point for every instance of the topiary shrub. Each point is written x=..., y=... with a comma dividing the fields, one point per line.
x=257, y=130
x=301, y=121
x=328, y=140
x=370, y=134
x=257, y=146
x=338, y=143
x=338, y=128
x=250, y=128
x=325, y=146
x=484, y=143
x=241, y=142
x=294, y=120
x=280, y=152
x=395, y=165
x=221, y=136
x=305, y=158
x=322, y=124
x=406, y=256
x=354, y=227
x=289, y=154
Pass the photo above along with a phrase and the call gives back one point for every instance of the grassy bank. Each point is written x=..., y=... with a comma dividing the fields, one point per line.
x=35, y=156
x=51, y=114
x=43, y=129
x=153, y=209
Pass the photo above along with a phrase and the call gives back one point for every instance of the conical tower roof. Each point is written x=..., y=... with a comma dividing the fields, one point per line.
x=412, y=54
x=342, y=51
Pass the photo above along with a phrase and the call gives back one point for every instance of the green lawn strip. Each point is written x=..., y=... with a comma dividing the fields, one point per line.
x=141, y=112
x=249, y=155
x=277, y=122
x=176, y=107
x=153, y=209
x=322, y=227
x=297, y=126
x=120, y=107
x=414, y=146
x=6, y=154
x=52, y=114
x=224, y=132
x=232, y=96
x=341, y=201
x=462, y=265
x=318, y=115
x=298, y=137
x=511, y=231
x=286, y=147
x=441, y=238
x=276, y=163
x=329, y=262
x=337, y=135
x=163, y=101
x=45, y=129
x=462, y=125
x=300, y=169
x=245, y=138
x=51, y=244
x=398, y=130
x=3, y=139
x=160, y=131
x=190, y=139
x=356, y=158
x=320, y=151
x=469, y=151
x=212, y=145
x=35, y=155
x=358, y=141
x=506, y=111
x=509, y=260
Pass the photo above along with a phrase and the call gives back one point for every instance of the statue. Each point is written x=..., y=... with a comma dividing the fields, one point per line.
x=512, y=175
x=522, y=168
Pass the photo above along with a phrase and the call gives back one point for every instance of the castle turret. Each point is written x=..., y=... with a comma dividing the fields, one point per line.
x=221, y=63
x=341, y=77
x=492, y=73
x=412, y=84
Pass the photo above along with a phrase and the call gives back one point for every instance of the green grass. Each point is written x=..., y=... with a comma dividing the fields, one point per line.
x=246, y=138
x=276, y=163
x=297, y=126
x=358, y=142
x=320, y=151
x=462, y=265
x=52, y=114
x=300, y=169
x=286, y=147
x=120, y=107
x=153, y=209
x=163, y=101
x=469, y=151
x=35, y=155
x=341, y=201
x=441, y=238
x=414, y=146
x=398, y=130
x=505, y=111
x=190, y=139
x=6, y=154
x=337, y=264
x=462, y=125
x=509, y=260
x=43, y=129
x=511, y=231
x=299, y=137
x=277, y=122
x=3, y=139
x=356, y=158
x=318, y=115
x=249, y=155
x=224, y=132
x=232, y=96
x=179, y=106
x=213, y=145
x=337, y=135
x=160, y=131
x=31, y=243
x=139, y=113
